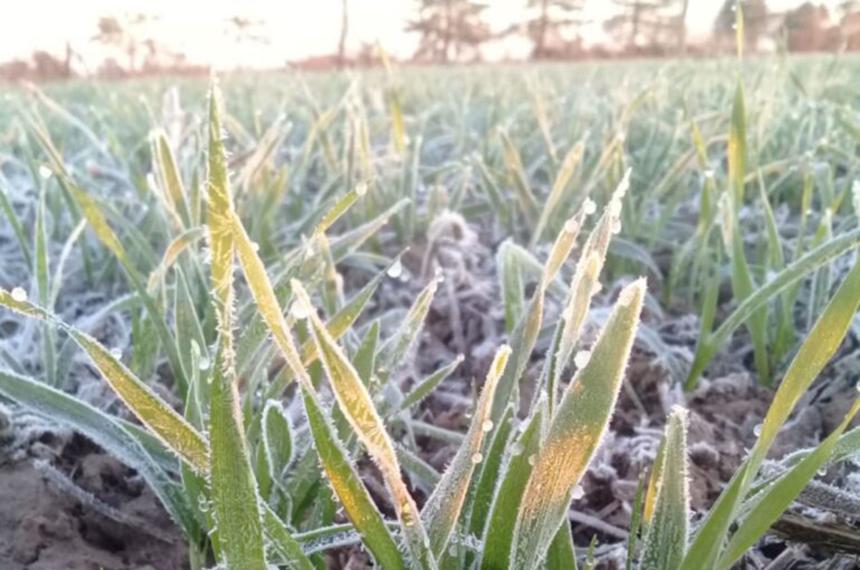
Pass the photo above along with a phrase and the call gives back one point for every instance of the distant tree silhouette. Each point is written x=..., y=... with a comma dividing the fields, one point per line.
x=651, y=24
x=807, y=28
x=551, y=19
x=125, y=35
x=449, y=29
x=755, y=21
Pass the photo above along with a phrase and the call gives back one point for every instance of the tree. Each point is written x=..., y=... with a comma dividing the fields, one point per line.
x=449, y=29
x=551, y=20
x=125, y=35
x=807, y=28
x=755, y=14
x=649, y=23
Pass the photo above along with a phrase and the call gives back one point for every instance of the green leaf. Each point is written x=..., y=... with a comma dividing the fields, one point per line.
x=575, y=432
x=442, y=509
x=105, y=431
x=820, y=345
x=393, y=351
x=794, y=272
x=277, y=439
x=347, y=485
x=357, y=406
x=499, y=532
x=426, y=386
x=149, y=408
x=778, y=496
x=666, y=538
x=232, y=486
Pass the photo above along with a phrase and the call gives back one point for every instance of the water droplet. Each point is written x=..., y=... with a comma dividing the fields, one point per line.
x=487, y=425
x=616, y=226
x=577, y=493
x=589, y=207
x=571, y=226
x=300, y=310
x=822, y=472
x=116, y=352
x=255, y=246
x=477, y=458
x=581, y=358
x=708, y=173
x=396, y=269
x=757, y=430
x=19, y=294
x=532, y=460
x=45, y=172
x=204, y=363
x=361, y=188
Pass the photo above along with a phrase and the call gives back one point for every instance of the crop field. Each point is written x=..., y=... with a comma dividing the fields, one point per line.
x=596, y=315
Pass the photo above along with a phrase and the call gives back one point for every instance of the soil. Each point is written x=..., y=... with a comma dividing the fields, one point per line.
x=44, y=526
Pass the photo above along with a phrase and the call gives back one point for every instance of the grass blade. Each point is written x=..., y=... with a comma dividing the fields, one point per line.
x=233, y=489
x=347, y=484
x=357, y=406
x=777, y=497
x=821, y=343
x=575, y=432
x=442, y=509
x=666, y=538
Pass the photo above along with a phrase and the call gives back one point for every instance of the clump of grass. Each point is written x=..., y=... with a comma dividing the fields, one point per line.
x=286, y=384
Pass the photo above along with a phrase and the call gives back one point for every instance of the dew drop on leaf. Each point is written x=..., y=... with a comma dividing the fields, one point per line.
x=396, y=270
x=45, y=172
x=589, y=207
x=577, y=493
x=581, y=358
x=532, y=459
x=477, y=458
x=361, y=188
x=487, y=425
x=19, y=294
x=300, y=310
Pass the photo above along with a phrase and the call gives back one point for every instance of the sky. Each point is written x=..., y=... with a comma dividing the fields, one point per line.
x=296, y=28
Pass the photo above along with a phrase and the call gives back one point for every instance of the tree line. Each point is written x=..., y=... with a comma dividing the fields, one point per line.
x=457, y=30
